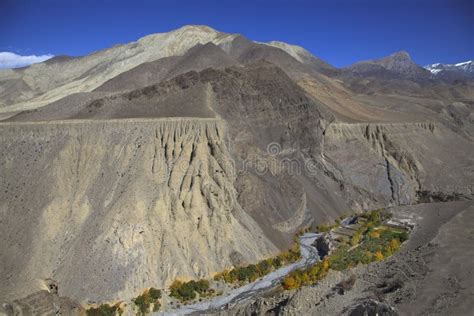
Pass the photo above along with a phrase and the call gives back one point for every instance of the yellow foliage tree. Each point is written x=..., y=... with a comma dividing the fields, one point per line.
x=220, y=275
x=290, y=283
x=378, y=256
x=176, y=284
x=305, y=279
x=375, y=234
x=325, y=264
x=394, y=244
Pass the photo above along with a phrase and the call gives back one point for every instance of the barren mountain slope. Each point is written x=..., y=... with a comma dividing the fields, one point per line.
x=39, y=84
x=391, y=162
x=197, y=58
x=295, y=64
x=261, y=106
x=109, y=208
x=47, y=82
x=393, y=94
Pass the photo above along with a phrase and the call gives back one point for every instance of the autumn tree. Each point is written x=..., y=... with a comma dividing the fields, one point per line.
x=290, y=283
x=378, y=256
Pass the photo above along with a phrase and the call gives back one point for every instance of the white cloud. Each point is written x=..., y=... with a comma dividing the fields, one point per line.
x=12, y=60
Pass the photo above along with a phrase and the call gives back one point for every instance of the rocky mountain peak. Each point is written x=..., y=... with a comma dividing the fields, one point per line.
x=395, y=65
x=401, y=55
x=201, y=28
x=400, y=62
x=297, y=52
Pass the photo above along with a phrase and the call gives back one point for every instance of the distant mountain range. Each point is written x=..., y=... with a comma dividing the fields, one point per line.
x=398, y=64
x=452, y=71
x=165, y=55
x=61, y=87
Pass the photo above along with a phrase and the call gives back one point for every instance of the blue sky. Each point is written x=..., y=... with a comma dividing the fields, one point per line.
x=340, y=32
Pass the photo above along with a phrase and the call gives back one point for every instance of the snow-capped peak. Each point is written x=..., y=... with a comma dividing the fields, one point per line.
x=463, y=63
x=466, y=67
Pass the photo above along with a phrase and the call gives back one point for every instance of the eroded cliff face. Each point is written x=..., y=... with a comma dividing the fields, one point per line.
x=108, y=208
x=387, y=164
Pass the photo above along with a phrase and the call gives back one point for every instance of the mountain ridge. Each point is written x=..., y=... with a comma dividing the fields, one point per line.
x=40, y=84
x=397, y=64
x=462, y=70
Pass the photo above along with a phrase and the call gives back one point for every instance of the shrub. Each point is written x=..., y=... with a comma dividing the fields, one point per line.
x=105, y=310
x=224, y=276
x=263, y=267
x=291, y=255
x=302, y=231
x=343, y=239
x=252, y=272
x=182, y=291
x=403, y=236
x=314, y=271
x=323, y=228
x=141, y=302
x=186, y=291
x=276, y=262
x=248, y=273
x=201, y=286
x=156, y=306
x=373, y=218
x=355, y=240
x=367, y=257
x=154, y=293
x=146, y=299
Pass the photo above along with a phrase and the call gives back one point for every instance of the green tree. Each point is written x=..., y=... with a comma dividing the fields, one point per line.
x=105, y=310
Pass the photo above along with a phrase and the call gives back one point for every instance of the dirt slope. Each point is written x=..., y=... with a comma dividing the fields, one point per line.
x=112, y=207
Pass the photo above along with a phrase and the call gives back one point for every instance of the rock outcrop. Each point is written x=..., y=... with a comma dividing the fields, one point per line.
x=325, y=245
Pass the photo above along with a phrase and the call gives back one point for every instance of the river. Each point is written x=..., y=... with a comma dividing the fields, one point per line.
x=309, y=256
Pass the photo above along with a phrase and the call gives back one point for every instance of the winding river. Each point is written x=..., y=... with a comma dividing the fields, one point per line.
x=309, y=256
